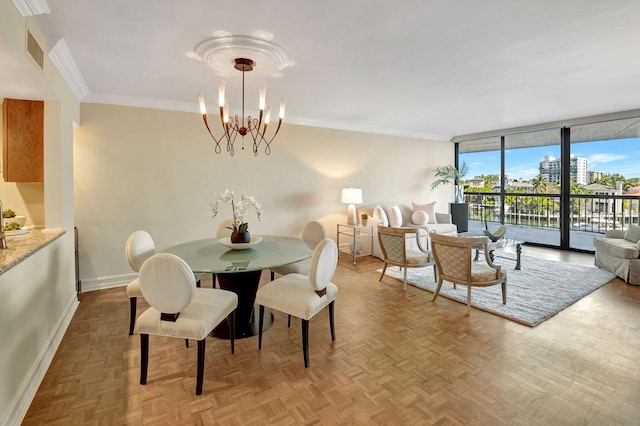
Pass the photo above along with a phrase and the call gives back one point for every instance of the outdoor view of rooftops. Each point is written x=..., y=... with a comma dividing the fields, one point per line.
x=604, y=188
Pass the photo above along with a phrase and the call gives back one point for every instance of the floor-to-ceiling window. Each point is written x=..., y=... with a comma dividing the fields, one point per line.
x=559, y=186
x=606, y=194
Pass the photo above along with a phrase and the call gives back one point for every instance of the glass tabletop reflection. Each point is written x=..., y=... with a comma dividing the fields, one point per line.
x=210, y=256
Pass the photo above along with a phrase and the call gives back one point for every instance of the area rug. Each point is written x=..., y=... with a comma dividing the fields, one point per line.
x=537, y=292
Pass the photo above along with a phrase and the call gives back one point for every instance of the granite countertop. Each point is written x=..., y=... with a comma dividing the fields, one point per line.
x=20, y=247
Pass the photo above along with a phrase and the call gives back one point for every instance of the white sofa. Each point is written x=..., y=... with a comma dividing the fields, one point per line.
x=441, y=223
x=619, y=252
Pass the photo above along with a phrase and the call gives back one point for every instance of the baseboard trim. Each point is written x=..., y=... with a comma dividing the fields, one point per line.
x=21, y=402
x=103, y=283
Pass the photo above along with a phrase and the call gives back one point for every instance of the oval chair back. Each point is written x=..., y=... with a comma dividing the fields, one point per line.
x=139, y=247
x=313, y=233
x=323, y=264
x=167, y=283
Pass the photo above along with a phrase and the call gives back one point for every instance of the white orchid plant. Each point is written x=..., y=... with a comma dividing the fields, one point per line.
x=239, y=208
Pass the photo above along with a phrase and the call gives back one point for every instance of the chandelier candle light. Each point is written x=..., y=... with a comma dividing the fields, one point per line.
x=256, y=128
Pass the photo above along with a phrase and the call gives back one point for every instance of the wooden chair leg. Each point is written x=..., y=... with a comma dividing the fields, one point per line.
x=198, y=284
x=405, y=278
x=200, y=374
x=384, y=269
x=231, y=319
x=504, y=292
x=332, y=322
x=213, y=280
x=132, y=314
x=305, y=342
x=186, y=343
x=273, y=275
x=260, y=323
x=289, y=322
x=144, y=358
x=435, y=295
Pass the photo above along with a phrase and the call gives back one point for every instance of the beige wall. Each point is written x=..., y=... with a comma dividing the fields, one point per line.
x=37, y=296
x=156, y=170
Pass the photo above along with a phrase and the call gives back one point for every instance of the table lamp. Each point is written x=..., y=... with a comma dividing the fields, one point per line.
x=351, y=196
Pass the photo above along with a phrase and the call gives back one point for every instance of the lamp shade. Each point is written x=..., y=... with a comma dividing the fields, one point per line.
x=351, y=196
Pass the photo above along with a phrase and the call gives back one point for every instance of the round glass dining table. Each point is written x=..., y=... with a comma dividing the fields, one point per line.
x=240, y=270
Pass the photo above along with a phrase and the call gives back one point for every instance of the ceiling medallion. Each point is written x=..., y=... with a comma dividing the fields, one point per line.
x=230, y=54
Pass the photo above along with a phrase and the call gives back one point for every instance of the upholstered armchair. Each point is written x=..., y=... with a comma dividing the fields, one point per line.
x=396, y=251
x=453, y=257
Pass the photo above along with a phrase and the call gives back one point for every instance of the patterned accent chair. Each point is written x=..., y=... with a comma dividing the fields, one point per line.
x=393, y=242
x=453, y=256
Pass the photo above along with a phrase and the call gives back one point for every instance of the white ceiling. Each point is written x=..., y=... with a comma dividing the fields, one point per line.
x=424, y=68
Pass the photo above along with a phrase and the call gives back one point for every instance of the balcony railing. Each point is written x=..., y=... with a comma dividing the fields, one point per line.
x=589, y=212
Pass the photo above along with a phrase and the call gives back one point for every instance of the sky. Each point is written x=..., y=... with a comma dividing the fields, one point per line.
x=614, y=156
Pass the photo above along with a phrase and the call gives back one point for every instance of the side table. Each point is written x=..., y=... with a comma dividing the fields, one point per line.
x=353, y=233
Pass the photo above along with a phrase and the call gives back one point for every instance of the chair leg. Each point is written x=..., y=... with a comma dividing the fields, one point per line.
x=273, y=275
x=305, y=342
x=186, y=343
x=435, y=295
x=132, y=314
x=198, y=284
x=144, y=358
x=405, y=279
x=289, y=322
x=504, y=292
x=231, y=319
x=384, y=269
x=260, y=323
x=200, y=376
x=332, y=322
x=213, y=280
x=468, y=300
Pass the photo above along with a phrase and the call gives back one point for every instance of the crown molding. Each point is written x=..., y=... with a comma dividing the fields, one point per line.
x=31, y=7
x=140, y=102
x=63, y=61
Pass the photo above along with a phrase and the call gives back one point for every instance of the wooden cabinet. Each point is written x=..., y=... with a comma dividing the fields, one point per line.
x=23, y=140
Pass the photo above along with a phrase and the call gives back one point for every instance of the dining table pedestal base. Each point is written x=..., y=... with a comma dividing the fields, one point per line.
x=245, y=285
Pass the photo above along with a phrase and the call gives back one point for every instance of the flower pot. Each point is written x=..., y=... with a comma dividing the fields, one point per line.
x=240, y=237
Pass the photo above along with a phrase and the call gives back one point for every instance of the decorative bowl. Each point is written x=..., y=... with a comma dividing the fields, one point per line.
x=20, y=220
x=226, y=241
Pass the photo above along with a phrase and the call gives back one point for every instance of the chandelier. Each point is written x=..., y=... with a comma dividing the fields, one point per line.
x=253, y=127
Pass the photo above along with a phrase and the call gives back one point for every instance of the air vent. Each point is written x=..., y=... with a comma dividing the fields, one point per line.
x=34, y=50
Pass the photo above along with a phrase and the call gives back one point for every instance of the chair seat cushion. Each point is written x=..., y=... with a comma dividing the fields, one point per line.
x=417, y=257
x=481, y=272
x=207, y=309
x=616, y=247
x=133, y=289
x=293, y=295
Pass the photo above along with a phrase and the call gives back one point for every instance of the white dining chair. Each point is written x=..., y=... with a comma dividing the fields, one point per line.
x=139, y=247
x=312, y=234
x=303, y=296
x=179, y=309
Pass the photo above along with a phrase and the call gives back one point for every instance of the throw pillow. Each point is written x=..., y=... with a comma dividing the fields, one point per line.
x=395, y=216
x=429, y=208
x=379, y=214
x=632, y=234
x=420, y=217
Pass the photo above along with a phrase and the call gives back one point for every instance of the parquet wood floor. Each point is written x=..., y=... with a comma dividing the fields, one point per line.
x=398, y=359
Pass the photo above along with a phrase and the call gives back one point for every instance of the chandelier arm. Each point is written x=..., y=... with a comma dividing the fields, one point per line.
x=206, y=123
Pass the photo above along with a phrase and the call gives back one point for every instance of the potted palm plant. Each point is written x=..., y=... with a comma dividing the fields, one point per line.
x=449, y=174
